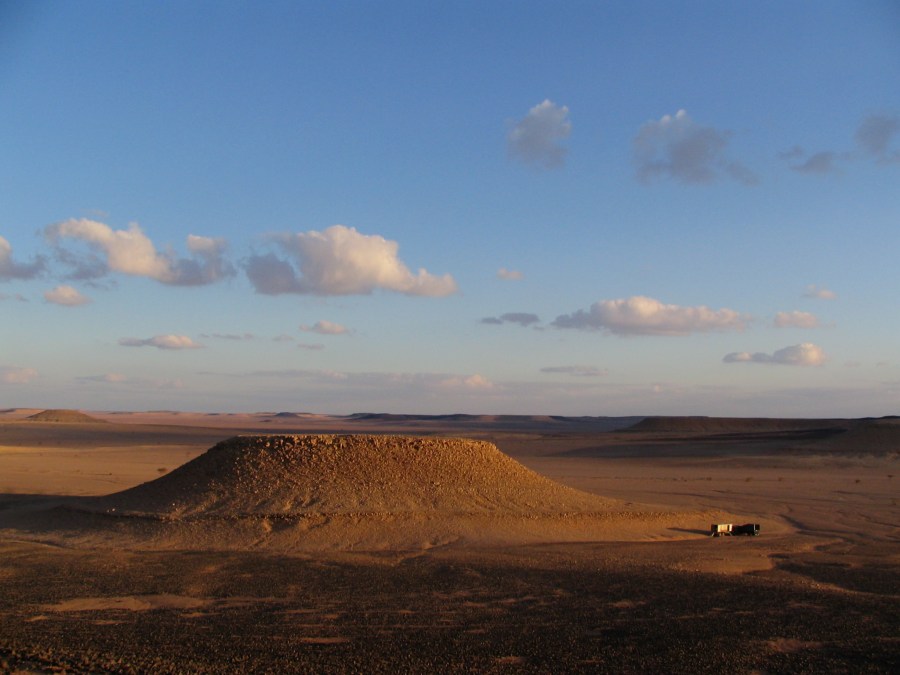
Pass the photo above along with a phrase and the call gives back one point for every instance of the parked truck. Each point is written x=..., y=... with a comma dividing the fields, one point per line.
x=730, y=530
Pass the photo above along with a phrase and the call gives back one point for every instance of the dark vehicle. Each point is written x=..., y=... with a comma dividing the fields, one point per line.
x=729, y=530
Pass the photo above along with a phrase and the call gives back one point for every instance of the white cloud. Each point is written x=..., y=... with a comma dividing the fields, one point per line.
x=576, y=371
x=162, y=342
x=66, y=296
x=537, y=137
x=509, y=275
x=10, y=269
x=341, y=261
x=640, y=315
x=875, y=134
x=524, y=319
x=804, y=354
x=677, y=148
x=796, y=319
x=17, y=375
x=813, y=291
x=325, y=328
x=132, y=252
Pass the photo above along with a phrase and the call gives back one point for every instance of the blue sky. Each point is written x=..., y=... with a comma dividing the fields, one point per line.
x=583, y=208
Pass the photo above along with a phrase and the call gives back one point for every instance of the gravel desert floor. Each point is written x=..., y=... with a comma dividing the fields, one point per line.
x=817, y=591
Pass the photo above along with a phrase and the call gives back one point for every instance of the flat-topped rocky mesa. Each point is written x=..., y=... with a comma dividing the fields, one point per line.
x=369, y=492
x=350, y=475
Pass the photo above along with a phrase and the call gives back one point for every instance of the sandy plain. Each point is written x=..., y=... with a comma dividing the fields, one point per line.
x=817, y=592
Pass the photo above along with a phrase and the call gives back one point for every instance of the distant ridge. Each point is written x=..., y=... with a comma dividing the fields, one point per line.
x=700, y=424
x=871, y=437
x=64, y=417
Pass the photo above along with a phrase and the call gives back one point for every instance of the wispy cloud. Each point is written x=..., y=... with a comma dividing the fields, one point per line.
x=233, y=337
x=576, y=371
x=676, y=147
x=875, y=135
x=468, y=382
x=804, y=354
x=17, y=374
x=819, y=293
x=796, y=319
x=66, y=296
x=326, y=328
x=820, y=162
x=120, y=380
x=106, y=378
x=311, y=346
x=340, y=261
x=173, y=342
x=132, y=252
x=640, y=315
x=537, y=138
x=509, y=275
x=10, y=269
x=15, y=296
x=523, y=319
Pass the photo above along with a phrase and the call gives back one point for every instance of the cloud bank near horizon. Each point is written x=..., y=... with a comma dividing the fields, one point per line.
x=804, y=354
x=641, y=315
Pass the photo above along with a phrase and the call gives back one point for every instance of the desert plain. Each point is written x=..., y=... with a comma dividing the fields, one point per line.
x=170, y=542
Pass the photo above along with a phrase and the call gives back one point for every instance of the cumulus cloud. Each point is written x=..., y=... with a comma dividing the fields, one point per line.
x=66, y=296
x=340, y=261
x=509, y=275
x=537, y=138
x=523, y=319
x=17, y=375
x=325, y=328
x=796, y=319
x=132, y=252
x=676, y=147
x=162, y=342
x=576, y=371
x=10, y=269
x=819, y=293
x=804, y=354
x=875, y=135
x=640, y=315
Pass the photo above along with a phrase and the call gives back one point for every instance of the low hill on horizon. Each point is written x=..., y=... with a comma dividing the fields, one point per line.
x=64, y=416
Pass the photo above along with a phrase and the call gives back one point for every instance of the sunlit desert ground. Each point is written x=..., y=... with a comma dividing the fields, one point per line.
x=395, y=555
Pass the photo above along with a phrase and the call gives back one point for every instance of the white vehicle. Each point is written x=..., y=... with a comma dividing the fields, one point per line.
x=729, y=530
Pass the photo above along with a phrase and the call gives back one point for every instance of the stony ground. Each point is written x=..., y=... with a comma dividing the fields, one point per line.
x=556, y=609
